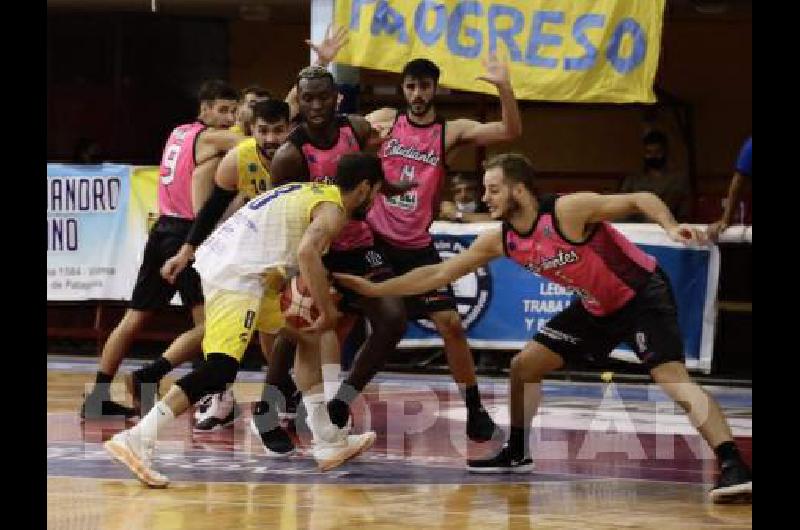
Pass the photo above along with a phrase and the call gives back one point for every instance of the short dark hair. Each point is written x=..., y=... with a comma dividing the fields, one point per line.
x=271, y=110
x=216, y=89
x=655, y=137
x=356, y=167
x=420, y=68
x=316, y=72
x=464, y=178
x=258, y=90
x=516, y=168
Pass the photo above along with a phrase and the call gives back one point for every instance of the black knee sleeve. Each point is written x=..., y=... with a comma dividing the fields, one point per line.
x=216, y=373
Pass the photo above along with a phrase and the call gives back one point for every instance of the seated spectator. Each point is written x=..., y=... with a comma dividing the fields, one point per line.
x=466, y=206
x=742, y=173
x=672, y=187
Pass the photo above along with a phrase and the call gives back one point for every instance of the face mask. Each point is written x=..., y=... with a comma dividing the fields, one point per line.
x=655, y=163
x=467, y=207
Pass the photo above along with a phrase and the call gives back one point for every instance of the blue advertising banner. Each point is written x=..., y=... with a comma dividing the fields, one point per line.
x=92, y=253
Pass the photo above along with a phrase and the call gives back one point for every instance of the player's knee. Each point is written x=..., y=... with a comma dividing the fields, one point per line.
x=532, y=365
x=216, y=373
x=132, y=322
x=390, y=319
x=449, y=324
x=670, y=372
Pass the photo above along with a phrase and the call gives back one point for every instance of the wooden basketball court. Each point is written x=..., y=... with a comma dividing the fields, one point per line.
x=607, y=456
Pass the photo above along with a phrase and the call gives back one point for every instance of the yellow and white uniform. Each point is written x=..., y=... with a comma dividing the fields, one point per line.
x=244, y=263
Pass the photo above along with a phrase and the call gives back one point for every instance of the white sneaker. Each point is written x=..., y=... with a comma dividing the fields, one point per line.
x=136, y=456
x=333, y=454
x=218, y=412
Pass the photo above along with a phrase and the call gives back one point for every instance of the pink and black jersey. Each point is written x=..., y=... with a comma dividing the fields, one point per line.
x=606, y=270
x=321, y=162
x=410, y=153
x=175, y=172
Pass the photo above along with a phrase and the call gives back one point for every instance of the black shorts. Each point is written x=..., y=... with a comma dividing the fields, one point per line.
x=648, y=323
x=403, y=260
x=151, y=290
x=367, y=262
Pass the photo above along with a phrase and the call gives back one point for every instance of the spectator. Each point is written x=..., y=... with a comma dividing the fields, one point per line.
x=742, y=172
x=466, y=206
x=672, y=187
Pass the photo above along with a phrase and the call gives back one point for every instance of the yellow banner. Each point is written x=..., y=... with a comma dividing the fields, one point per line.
x=558, y=50
x=143, y=205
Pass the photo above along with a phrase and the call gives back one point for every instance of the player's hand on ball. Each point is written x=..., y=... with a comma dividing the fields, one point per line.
x=326, y=320
x=356, y=283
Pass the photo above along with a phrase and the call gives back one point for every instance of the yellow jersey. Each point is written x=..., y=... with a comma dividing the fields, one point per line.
x=254, y=177
x=261, y=237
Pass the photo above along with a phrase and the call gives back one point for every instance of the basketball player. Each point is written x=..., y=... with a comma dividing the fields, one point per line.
x=244, y=113
x=243, y=266
x=623, y=296
x=190, y=158
x=415, y=150
x=242, y=174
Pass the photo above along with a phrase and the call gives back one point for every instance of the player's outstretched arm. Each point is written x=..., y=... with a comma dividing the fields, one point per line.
x=423, y=279
x=581, y=209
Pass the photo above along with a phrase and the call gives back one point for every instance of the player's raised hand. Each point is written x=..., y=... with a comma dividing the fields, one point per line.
x=327, y=49
x=496, y=72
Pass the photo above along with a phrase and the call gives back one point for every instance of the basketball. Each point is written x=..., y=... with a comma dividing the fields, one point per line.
x=297, y=305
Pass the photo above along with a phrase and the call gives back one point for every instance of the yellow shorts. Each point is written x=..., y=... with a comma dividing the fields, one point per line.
x=232, y=316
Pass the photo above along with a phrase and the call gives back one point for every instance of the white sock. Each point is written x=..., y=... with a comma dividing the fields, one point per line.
x=330, y=380
x=155, y=420
x=322, y=430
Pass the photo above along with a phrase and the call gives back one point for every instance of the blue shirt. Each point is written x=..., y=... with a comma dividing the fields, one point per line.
x=744, y=164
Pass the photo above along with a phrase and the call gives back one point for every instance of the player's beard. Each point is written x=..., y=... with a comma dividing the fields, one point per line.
x=360, y=212
x=424, y=111
x=269, y=150
x=512, y=207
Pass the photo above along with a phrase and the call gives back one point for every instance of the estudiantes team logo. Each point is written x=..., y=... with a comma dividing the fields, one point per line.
x=473, y=292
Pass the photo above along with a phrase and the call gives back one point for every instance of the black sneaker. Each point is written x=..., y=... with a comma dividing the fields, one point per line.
x=503, y=462
x=291, y=406
x=480, y=426
x=275, y=440
x=734, y=484
x=96, y=408
x=135, y=386
x=339, y=412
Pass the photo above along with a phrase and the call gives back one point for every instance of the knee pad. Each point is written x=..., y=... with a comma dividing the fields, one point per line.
x=217, y=372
